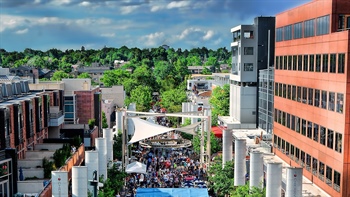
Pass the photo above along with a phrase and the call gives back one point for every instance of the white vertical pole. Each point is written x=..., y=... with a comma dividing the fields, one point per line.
x=256, y=172
x=274, y=179
x=240, y=162
x=294, y=182
x=226, y=146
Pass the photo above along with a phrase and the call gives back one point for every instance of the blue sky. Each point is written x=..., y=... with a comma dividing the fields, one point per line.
x=70, y=24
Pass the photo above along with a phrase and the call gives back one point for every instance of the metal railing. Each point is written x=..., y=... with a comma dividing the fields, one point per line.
x=56, y=115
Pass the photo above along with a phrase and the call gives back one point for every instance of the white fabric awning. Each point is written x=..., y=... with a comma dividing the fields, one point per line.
x=145, y=129
x=136, y=167
x=189, y=128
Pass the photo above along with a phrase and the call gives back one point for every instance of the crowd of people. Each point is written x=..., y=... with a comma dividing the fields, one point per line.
x=167, y=168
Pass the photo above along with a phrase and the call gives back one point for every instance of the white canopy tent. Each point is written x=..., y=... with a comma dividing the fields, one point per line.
x=145, y=129
x=136, y=167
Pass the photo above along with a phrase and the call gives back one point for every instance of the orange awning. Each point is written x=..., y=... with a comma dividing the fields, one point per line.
x=217, y=131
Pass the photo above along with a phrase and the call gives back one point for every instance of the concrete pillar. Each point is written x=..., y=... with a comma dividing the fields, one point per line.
x=108, y=134
x=130, y=123
x=256, y=173
x=59, y=183
x=101, y=148
x=207, y=124
x=294, y=182
x=226, y=146
x=194, y=108
x=91, y=162
x=79, y=181
x=184, y=109
x=240, y=162
x=118, y=121
x=274, y=179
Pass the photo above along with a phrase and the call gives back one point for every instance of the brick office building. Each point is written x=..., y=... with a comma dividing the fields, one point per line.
x=311, y=118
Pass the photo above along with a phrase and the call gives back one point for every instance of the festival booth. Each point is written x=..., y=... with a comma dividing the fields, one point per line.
x=165, y=192
x=136, y=167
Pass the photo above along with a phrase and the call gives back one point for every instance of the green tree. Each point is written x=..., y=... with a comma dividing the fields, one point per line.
x=221, y=179
x=142, y=96
x=104, y=120
x=59, y=75
x=114, y=77
x=214, y=143
x=84, y=75
x=220, y=101
x=172, y=99
x=245, y=191
x=114, y=183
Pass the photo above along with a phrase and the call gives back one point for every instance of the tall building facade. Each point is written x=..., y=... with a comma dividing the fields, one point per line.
x=311, y=123
x=265, y=106
x=252, y=50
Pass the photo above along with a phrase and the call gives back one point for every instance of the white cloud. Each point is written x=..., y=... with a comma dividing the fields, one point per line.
x=208, y=35
x=85, y=4
x=177, y=4
x=108, y=35
x=185, y=33
x=152, y=40
x=22, y=31
x=128, y=9
x=218, y=41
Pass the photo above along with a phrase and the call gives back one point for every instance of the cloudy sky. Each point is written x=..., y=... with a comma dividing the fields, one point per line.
x=70, y=24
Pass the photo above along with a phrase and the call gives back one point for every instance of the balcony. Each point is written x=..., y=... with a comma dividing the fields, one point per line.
x=56, y=116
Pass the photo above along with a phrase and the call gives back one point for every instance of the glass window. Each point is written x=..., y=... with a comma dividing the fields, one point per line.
x=277, y=62
x=330, y=138
x=333, y=63
x=288, y=121
x=299, y=94
x=294, y=93
x=283, y=119
x=280, y=90
x=298, y=30
x=281, y=62
x=324, y=99
x=292, y=123
x=304, y=95
x=300, y=62
x=297, y=126
x=294, y=62
x=321, y=171
x=341, y=19
x=314, y=166
x=322, y=135
x=348, y=22
x=289, y=62
x=248, y=34
x=316, y=127
x=285, y=62
x=308, y=162
x=329, y=176
x=338, y=142
x=318, y=63
x=311, y=96
x=306, y=63
x=289, y=92
x=331, y=101
x=336, y=181
x=309, y=130
x=302, y=157
x=340, y=100
x=292, y=150
x=288, y=32
x=322, y=25
x=303, y=127
x=311, y=63
x=297, y=153
x=309, y=28
x=248, y=50
x=248, y=66
x=276, y=89
x=325, y=63
x=341, y=62
x=317, y=98
x=284, y=91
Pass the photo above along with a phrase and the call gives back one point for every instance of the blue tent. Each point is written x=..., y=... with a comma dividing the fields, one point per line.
x=172, y=192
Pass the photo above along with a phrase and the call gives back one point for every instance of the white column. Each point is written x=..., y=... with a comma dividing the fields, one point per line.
x=184, y=109
x=274, y=179
x=294, y=182
x=118, y=121
x=240, y=162
x=108, y=134
x=91, y=162
x=59, y=183
x=130, y=123
x=226, y=146
x=79, y=181
x=194, y=108
x=101, y=148
x=256, y=173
